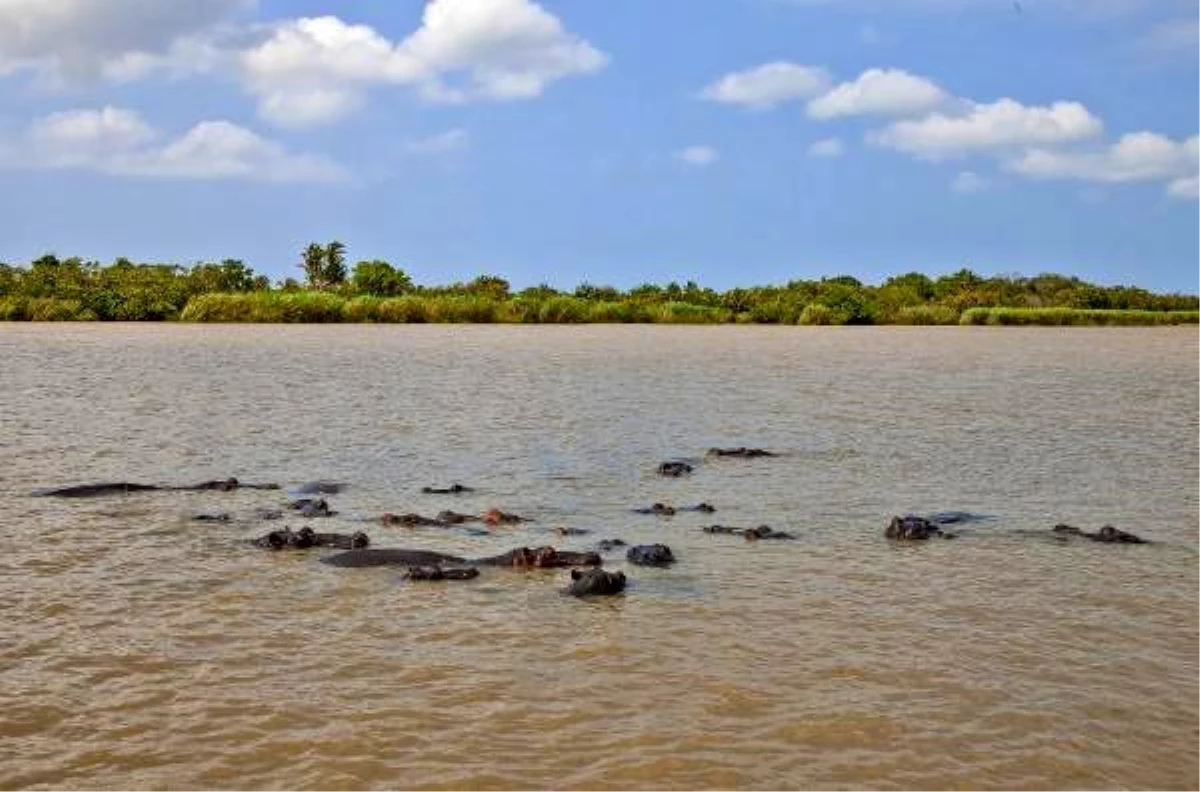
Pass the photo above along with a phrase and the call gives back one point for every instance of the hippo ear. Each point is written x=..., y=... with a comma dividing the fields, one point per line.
x=576, y=574
x=621, y=576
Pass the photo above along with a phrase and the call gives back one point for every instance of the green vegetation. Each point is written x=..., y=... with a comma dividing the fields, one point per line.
x=53, y=289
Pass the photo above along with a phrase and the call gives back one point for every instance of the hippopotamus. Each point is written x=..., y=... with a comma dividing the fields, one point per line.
x=650, y=555
x=409, y=520
x=914, y=528
x=268, y=514
x=453, y=489
x=312, y=507
x=318, y=488
x=588, y=582
x=437, y=572
x=659, y=509
x=521, y=557
x=674, y=469
x=750, y=534
x=220, y=517
x=566, y=531
x=703, y=508
x=956, y=517
x=497, y=517
x=741, y=451
x=126, y=487
x=1107, y=534
x=606, y=545
x=307, y=537
x=449, y=517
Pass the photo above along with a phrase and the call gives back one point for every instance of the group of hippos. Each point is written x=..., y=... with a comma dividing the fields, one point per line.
x=587, y=576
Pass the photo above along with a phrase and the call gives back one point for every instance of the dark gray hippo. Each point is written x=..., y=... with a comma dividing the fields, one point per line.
x=749, y=534
x=740, y=452
x=607, y=545
x=520, y=558
x=594, y=582
x=453, y=489
x=449, y=517
x=913, y=528
x=305, y=538
x=437, y=572
x=410, y=520
x=650, y=555
x=658, y=509
x=703, y=508
x=126, y=487
x=1106, y=535
x=221, y=517
x=312, y=507
x=565, y=531
x=674, y=469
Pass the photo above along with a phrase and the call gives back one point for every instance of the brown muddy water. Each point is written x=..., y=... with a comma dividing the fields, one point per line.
x=143, y=650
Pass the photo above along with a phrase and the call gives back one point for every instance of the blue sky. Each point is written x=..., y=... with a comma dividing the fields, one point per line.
x=731, y=142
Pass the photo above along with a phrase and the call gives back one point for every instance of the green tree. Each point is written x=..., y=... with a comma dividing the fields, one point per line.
x=380, y=279
x=312, y=261
x=333, y=271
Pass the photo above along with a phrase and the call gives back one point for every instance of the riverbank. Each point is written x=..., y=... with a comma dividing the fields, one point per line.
x=313, y=307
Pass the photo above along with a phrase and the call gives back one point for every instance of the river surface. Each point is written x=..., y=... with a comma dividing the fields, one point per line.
x=141, y=649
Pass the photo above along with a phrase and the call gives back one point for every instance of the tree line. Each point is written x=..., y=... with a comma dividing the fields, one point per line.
x=53, y=288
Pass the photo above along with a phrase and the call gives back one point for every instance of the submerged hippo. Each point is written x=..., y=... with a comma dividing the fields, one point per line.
x=318, y=488
x=565, y=531
x=750, y=534
x=410, y=520
x=221, y=517
x=650, y=555
x=287, y=539
x=312, y=507
x=449, y=517
x=659, y=509
x=741, y=451
x=703, y=508
x=126, y=487
x=607, y=545
x=674, y=469
x=1107, y=534
x=521, y=557
x=589, y=582
x=914, y=528
x=437, y=572
x=497, y=517
x=453, y=489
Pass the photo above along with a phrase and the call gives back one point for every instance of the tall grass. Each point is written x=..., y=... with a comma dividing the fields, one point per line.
x=1074, y=317
x=926, y=315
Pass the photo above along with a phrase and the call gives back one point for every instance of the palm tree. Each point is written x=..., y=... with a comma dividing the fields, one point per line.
x=334, y=271
x=313, y=263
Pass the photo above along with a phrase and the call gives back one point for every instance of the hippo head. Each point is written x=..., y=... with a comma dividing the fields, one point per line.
x=585, y=582
x=227, y=485
x=277, y=540
x=305, y=537
x=359, y=540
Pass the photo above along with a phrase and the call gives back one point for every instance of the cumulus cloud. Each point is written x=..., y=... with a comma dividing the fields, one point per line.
x=968, y=183
x=827, y=148
x=1135, y=157
x=442, y=143
x=314, y=70
x=889, y=92
x=119, y=142
x=697, y=156
x=768, y=85
x=999, y=125
x=120, y=39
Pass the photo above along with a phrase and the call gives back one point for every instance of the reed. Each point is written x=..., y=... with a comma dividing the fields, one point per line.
x=1075, y=317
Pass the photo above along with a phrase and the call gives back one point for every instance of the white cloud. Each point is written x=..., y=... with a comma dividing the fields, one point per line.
x=314, y=70
x=62, y=40
x=827, y=148
x=968, y=183
x=768, y=85
x=442, y=143
x=119, y=142
x=697, y=156
x=891, y=92
x=987, y=127
x=1136, y=157
x=1187, y=188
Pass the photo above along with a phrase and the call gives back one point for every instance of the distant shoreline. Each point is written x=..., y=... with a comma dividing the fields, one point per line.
x=53, y=289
